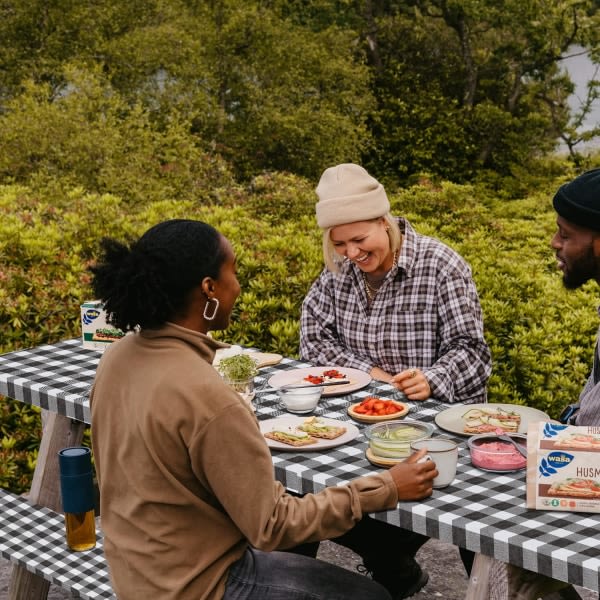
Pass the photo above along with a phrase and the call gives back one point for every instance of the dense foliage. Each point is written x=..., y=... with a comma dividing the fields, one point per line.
x=116, y=115
x=541, y=336
x=172, y=98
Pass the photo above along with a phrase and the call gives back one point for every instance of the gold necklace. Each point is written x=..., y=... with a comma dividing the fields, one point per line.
x=370, y=289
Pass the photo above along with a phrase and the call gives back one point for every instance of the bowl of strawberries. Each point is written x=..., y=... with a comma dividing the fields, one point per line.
x=373, y=409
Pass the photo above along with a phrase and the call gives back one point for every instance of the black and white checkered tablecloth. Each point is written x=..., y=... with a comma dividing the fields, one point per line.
x=484, y=512
x=56, y=377
x=37, y=538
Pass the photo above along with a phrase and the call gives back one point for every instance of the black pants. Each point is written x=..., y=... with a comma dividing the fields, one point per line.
x=377, y=543
x=381, y=544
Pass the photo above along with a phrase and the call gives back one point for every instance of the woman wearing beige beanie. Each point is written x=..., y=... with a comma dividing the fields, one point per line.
x=402, y=307
x=396, y=304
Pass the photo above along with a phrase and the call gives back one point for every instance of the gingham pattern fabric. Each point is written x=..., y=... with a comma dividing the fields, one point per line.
x=35, y=539
x=426, y=314
x=56, y=377
x=484, y=512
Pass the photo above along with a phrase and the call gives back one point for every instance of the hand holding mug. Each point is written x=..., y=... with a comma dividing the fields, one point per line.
x=414, y=479
x=444, y=452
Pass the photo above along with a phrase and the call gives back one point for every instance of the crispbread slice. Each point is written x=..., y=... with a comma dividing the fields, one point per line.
x=563, y=488
x=328, y=432
x=281, y=436
x=487, y=428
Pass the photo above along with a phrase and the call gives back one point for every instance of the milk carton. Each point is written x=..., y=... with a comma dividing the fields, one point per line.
x=96, y=333
x=563, y=467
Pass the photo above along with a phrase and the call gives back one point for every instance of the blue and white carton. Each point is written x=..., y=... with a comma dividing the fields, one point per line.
x=96, y=332
x=563, y=467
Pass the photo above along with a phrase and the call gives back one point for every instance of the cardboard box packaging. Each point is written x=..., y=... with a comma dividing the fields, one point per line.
x=563, y=467
x=96, y=333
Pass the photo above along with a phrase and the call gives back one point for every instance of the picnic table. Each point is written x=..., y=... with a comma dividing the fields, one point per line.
x=481, y=511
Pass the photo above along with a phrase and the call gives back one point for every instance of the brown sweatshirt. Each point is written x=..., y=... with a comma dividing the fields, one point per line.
x=186, y=478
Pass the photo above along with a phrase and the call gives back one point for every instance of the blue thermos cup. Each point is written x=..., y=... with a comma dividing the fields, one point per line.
x=77, y=492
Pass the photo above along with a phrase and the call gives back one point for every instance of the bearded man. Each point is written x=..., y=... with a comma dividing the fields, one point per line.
x=577, y=247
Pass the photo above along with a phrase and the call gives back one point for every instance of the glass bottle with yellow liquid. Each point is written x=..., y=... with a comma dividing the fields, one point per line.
x=77, y=492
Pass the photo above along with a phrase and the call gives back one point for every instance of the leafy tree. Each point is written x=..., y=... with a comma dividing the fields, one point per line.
x=262, y=90
x=576, y=132
x=89, y=136
x=453, y=88
x=470, y=85
x=39, y=37
x=249, y=83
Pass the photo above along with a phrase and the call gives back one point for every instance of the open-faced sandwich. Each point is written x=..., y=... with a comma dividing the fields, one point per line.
x=576, y=488
x=479, y=420
x=291, y=437
x=107, y=334
x=327, y=376
x=316, y=428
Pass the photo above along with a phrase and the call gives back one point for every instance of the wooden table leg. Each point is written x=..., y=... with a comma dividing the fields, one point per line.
x=494, y=580
x=58, y=432
x=479, y=581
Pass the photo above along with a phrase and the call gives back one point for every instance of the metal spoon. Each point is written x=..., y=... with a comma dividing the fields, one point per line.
x=507, y=438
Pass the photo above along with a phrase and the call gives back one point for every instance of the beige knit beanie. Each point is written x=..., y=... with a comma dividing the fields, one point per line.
x=347, y=193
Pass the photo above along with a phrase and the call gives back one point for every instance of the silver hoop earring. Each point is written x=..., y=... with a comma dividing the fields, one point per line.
x=214, y=314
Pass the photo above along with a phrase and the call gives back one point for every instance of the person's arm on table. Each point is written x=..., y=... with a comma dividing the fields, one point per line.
x=237, y=463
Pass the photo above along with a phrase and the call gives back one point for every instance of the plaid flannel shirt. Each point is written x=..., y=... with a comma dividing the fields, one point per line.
x=588, y=407
x=425, y=315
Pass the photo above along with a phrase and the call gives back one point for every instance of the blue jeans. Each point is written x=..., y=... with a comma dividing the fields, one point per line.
x=288, y=576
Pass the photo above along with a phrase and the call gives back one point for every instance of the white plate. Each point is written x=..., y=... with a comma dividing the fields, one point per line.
x=451, y=419
x=290, y=421
x=358, y=379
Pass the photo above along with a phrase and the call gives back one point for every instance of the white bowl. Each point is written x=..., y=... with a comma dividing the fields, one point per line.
x=300, y=400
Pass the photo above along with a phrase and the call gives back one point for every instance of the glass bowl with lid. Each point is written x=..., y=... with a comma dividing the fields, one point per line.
x=392, y=439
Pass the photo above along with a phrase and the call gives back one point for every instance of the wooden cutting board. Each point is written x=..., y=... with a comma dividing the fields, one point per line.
x=265, y=359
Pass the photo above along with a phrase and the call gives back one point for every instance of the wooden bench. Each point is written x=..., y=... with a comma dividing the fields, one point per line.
x=34, y=538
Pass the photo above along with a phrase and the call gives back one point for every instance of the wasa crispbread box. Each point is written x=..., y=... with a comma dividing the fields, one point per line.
x=563, y=467
x=96, y=333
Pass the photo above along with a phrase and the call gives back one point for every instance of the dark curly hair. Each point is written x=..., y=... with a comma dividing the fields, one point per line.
x=149, y=281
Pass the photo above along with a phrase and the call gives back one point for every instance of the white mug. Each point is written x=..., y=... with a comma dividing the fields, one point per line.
x=444, y=452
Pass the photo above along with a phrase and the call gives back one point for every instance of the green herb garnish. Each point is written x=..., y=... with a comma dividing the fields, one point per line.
x=239, y=367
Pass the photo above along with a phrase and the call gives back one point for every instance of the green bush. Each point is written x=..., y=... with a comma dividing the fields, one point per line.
x=541, y=336
x=92, y=137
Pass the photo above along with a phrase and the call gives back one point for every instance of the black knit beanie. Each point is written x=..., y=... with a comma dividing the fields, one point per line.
x=579, y=200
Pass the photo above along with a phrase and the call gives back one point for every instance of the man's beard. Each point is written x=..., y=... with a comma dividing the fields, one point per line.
x=582, y=270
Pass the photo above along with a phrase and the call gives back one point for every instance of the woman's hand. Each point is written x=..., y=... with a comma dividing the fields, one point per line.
x=412, y=383
x=413, y=479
